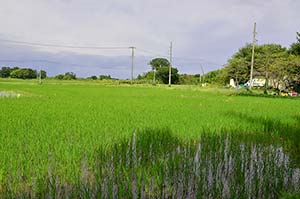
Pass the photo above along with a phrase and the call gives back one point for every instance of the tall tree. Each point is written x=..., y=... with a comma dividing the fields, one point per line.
x=24, y=73
x=158, y=63
x=267, y=58
x=295, y=47
x=238, y=67
x=5, y=72
x=163, y=75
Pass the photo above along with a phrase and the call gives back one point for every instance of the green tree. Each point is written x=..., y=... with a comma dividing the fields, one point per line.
x=5, y=72
x=238, y=67
x=293, y=69
x=102, y=77
x=60, y=77
x=285, y=70
x=24, y=73
x=295, y=47
x=268, y=56
x=212, y=77
x=163, y=75
x=69, y=76
x=158, y=63
x=189, y=79
x=146, y=76
x=44, y=74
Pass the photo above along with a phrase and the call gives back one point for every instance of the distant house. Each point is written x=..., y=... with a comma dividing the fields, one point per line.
x=256, y=82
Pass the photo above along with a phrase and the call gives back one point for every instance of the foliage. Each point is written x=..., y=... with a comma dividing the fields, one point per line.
x=268, y=63
x=24, y=73
x=295, y=47
x=93, y=77
x=158, y=63
x=60, y=77
x=163, y=75
x=66, y=76
x=160, y=68
x=189, y=79
x=102, y=77
x=5, y=71
x=148, y=77
x=69, y=76
x=43, y=74
x=212, y=77
x=21, y=73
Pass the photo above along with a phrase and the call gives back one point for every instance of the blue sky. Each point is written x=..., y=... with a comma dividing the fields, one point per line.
x=204, y=32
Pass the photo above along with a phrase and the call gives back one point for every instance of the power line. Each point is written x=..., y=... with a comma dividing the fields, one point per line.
x=51, y=62
x=64, y=46
x=196, y=61
x=199, y=60
x=153, y=53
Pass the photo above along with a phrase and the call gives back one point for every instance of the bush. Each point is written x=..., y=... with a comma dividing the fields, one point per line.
x=69, y=76
x=93, y=77
x=5, y=71
x=163, y=75
x=66, y=76
x=102, y=77
x=60, y=77
x=24, y=73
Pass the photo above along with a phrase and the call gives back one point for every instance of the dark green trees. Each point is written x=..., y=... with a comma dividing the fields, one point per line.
x=266, y=56
x=158, y=63
x=295, y=47
x=21, y=73
x=6, y=71
x=161, y=68
x=24, y=73
x=163, y=75
x=66, y=76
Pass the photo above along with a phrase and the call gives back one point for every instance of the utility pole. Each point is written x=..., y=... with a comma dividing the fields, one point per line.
x=154, y=77
x=132, y=62
x=200, y=76
x=202, y=70
x=170, y=67
x=40, y=76
x=154, y=73
x=252, y=60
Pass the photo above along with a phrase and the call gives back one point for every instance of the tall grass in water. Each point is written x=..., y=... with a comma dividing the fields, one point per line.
x=156, y=164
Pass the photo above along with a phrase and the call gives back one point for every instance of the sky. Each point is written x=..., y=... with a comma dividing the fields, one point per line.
x=203, y=32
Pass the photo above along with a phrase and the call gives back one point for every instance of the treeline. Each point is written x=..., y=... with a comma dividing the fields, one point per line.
x=72, y=76
x=160, y=74
x=21, y=73
x=277, y=65
x=66, y=76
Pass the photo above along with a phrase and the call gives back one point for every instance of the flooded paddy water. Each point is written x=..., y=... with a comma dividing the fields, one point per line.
x=9, y=94
x=159, y=165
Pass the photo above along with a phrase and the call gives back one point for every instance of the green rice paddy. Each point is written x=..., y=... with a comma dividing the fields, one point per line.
x=84, y=139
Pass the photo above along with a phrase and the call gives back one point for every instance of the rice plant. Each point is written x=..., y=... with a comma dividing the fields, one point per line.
x=107, y=141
